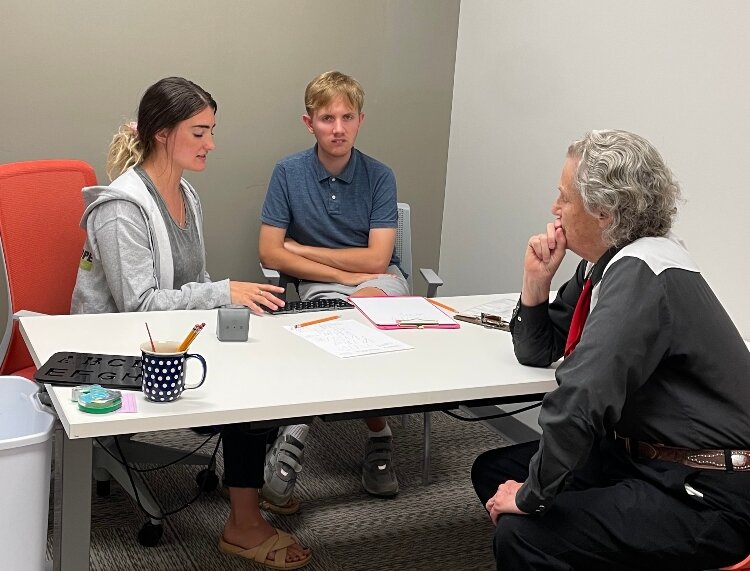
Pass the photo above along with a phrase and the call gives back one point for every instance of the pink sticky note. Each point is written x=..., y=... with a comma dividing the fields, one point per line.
x=129, y=403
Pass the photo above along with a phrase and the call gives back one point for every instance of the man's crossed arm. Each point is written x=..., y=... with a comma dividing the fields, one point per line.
x=349, y=266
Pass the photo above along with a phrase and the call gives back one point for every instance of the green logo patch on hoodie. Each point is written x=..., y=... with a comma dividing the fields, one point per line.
x=87, y=260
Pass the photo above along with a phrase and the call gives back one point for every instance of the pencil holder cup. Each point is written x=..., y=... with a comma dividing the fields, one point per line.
x=163, y=369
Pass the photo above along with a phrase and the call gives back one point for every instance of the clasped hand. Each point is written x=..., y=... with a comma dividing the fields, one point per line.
x=504, y=500
x=544, y=254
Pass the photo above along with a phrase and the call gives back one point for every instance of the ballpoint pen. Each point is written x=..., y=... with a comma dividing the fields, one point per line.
x=316, y=321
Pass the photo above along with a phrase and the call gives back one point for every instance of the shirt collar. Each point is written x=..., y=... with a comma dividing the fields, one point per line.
x=347, y=175
x=597, y=269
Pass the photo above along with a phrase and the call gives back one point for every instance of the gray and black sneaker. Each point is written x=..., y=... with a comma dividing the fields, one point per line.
x=283, y=463
x=378, y=477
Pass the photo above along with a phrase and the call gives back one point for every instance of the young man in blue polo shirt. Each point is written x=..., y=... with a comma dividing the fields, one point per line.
x=330, y=219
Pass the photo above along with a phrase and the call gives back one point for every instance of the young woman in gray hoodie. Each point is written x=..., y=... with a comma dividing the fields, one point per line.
x=144, y=251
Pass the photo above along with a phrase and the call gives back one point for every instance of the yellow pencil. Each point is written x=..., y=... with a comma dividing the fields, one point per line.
x=446, y=307
x=316, y=321
x=192, y=334
x=188, y=339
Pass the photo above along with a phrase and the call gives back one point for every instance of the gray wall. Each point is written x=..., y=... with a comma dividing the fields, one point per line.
x=532, y=75
x=73, y=71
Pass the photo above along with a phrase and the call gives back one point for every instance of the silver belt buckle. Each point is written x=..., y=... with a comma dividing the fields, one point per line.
x=740, y=460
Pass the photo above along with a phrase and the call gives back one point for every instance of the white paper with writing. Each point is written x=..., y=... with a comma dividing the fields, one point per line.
x=347, y=338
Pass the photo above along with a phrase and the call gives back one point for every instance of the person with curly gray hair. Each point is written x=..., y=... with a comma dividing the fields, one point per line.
x=644, y=457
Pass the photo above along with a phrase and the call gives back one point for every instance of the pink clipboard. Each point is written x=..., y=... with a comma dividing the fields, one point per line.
x=403, y=312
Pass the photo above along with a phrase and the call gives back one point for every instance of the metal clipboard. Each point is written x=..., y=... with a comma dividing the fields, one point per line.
x=487, y=320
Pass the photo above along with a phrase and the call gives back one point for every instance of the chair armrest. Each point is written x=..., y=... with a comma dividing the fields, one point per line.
x=6, y=339
x=25, y=313
x=432, y=279
x=272, y=276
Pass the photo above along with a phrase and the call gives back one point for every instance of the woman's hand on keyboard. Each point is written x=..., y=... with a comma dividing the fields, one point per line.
x=255, y=296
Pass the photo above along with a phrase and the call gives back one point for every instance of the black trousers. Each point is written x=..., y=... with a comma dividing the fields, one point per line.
x=245, y=453
x=618, y=514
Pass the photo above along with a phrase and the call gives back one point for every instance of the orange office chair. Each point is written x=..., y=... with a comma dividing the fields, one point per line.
x=41, y=206
x=40, y=213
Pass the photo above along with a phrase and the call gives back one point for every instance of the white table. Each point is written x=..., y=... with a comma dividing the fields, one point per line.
x=274, y=375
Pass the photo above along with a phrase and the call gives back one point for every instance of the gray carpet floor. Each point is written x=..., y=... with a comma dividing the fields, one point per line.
x=439, y=526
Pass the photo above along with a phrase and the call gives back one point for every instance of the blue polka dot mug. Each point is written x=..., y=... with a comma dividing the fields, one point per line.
x=164, y=370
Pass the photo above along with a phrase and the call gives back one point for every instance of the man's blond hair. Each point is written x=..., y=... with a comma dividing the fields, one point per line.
x=329, y=85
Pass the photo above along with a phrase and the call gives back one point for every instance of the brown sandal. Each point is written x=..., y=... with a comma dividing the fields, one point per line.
x=277, y=543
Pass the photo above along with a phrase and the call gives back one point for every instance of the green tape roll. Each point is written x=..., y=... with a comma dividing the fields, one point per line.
x=98, y=408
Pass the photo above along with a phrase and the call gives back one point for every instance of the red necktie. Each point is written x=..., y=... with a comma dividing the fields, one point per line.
x=580, y=314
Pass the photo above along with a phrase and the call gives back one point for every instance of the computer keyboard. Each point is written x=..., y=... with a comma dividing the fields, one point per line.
x=314, y=305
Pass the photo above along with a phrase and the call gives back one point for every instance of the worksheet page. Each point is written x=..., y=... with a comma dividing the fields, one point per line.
x=347, y=338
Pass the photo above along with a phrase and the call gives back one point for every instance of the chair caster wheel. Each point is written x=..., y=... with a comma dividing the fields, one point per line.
x=102, y=488
x=150, y=534
x=207, y=480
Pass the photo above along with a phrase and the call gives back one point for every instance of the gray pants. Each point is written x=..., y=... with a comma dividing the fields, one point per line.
x=391, y=286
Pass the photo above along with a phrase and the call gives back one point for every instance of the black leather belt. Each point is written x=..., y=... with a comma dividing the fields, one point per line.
x=728, y=460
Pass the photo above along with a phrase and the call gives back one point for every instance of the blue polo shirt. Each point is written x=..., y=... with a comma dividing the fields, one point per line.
x=318, y=209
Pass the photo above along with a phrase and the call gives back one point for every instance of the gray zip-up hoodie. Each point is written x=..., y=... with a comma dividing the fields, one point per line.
x=126, y=264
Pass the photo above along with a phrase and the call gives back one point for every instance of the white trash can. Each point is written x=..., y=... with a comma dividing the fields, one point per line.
x=25, y=464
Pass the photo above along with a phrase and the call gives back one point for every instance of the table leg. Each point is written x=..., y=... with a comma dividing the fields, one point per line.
x=72, y=507
x=426, y=449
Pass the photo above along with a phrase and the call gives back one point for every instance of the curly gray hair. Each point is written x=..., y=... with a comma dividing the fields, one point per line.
x=623, y=175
